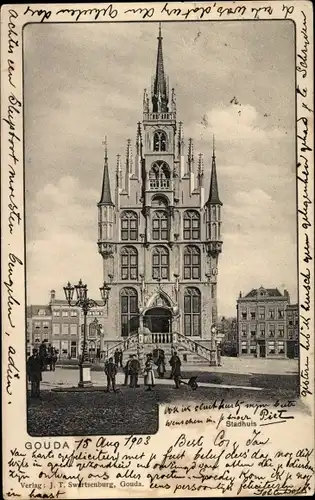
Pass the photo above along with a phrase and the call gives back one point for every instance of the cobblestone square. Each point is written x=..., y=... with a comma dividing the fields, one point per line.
x=135, y=411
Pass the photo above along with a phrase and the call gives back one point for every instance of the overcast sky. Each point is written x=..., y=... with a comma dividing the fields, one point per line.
x=85, y=81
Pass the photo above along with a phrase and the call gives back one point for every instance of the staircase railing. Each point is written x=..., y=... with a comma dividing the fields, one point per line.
x=124, y=344
x=193, y=346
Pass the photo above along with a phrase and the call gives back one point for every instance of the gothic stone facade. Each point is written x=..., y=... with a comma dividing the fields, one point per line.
x=160, y=237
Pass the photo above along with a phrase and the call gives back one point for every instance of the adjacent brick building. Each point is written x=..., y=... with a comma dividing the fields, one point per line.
x=62, y=326
x=38, y=325
x=262, y=321
x=293, y=331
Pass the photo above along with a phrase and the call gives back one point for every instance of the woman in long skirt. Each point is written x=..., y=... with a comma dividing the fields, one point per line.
x=149, y=379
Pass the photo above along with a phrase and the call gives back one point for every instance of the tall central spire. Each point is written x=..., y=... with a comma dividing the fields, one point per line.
x=160, y=90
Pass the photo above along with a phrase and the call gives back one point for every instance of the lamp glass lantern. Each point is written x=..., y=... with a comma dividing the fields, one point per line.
x=81, y=290
x=105, y=289
x=69, y=291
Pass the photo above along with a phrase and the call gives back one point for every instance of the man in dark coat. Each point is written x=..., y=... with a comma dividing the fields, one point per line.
x=126, y=370
x=110, y=372
x=120, y=358
x=134, y=369
x=116, y=357
x=34, y=372
x=43, y=355
x=175, y=363
x=219, y=349
x=49, y=357
x=161, y=365
x=54, y=356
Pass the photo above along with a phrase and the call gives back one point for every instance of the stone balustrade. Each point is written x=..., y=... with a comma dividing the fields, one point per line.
x=159, y=116
x=167, y=338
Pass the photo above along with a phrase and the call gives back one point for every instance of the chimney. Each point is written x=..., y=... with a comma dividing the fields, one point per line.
x=286, y=294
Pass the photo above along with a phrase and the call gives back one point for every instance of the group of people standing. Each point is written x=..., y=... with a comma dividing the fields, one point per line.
x=48, y=356
x=132, y=370
x=37, y=363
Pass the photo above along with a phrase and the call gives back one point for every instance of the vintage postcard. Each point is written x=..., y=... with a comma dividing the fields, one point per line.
x=157, y=183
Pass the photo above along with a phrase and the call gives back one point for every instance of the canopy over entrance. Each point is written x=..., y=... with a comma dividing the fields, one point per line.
x=158, y=320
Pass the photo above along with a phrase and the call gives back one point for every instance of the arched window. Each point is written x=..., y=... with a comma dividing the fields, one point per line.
x=192, y=312
x=160, y=263
x=160, y=225
x=129, y=263
x=191, y=225
x=191, y=263
x=129, y=226
x=129, y=312
x=160, y=175
x=159, y=141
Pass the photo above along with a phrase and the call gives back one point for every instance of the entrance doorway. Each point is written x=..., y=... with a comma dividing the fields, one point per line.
x=290, y=349
x=158, y=320
x=262, y=348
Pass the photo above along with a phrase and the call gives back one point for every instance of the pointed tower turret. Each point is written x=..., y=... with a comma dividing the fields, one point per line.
x=213, y=198
x=106, y=197
x=160, y=87
x=213, y=206
x=106, y=209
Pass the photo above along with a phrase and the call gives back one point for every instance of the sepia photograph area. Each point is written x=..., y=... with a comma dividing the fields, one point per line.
x=161, y=228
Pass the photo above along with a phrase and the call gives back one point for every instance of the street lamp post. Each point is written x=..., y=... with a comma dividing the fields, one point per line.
x=99, y=336
x=213, y=347
x=85, y=304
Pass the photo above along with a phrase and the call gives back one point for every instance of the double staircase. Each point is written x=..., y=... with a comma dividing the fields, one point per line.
x=190, y=351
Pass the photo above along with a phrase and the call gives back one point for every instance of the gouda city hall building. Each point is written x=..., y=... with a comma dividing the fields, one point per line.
x=159, y=234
